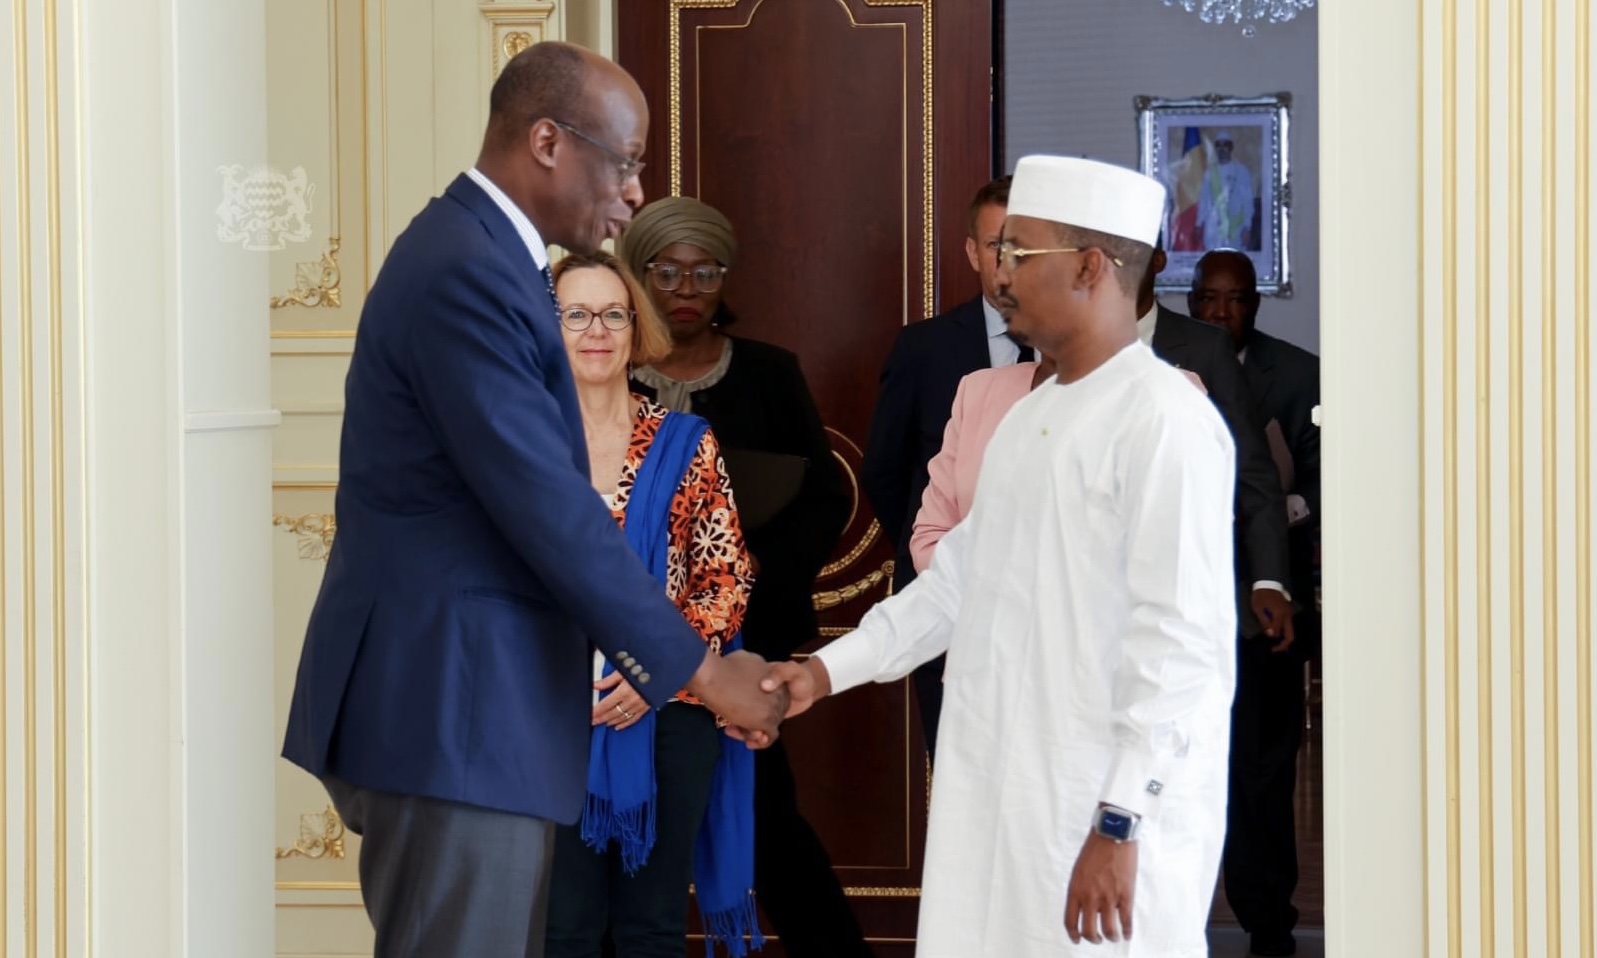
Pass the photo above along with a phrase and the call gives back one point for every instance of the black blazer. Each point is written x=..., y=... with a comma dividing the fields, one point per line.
x=913, y=404
x=1207, y=350
x=1285, y=384
x=763, y=404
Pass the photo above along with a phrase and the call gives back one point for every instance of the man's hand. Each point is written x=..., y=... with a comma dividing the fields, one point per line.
x=730, y=685
x=806, y=684
x=1274, y=612
x=1098, y=903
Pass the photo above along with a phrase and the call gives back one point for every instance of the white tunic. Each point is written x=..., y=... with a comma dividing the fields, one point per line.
x=1086, y=605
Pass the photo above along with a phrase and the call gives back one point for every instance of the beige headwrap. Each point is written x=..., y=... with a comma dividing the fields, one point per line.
x=677, y=219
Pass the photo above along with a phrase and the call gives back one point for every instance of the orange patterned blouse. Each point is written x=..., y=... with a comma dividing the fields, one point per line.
x=708, y=572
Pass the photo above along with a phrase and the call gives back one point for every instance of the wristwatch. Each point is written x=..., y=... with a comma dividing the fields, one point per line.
x=1116, y=824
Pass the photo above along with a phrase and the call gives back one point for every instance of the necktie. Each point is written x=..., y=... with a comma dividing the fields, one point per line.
x=549, y=282
x=1027, y=354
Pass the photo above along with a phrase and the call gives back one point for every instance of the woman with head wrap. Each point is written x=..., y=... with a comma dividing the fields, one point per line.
x=794, y=507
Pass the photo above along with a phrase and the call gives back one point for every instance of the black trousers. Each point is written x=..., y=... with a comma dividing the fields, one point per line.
x=1261, y=854
x=793, y=876
x=645, y=914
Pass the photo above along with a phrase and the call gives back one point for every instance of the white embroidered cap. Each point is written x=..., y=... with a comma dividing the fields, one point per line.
x=1089, y=195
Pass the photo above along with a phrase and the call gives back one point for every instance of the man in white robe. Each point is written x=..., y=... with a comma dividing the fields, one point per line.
x=1087, y=606
x=1225, y=203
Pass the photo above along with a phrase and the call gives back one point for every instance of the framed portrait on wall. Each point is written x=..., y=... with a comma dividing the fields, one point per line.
x=1225, y=162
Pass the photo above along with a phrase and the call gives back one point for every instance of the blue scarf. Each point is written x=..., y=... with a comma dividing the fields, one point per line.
x=621, y=782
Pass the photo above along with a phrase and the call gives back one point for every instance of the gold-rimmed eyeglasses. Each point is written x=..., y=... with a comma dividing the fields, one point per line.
x=579, y=318
x=1010, y=255
x=626, y=167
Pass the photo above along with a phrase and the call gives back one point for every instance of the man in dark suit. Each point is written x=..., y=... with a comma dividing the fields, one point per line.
x=444, y=692
x=914, y=401
x=1261, y=865
x=1263, y=571
x=1264, y=613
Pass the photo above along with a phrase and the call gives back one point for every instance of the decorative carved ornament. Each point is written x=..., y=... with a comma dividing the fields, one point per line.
x=321, y=835
x=316, y=283
x=315, y=532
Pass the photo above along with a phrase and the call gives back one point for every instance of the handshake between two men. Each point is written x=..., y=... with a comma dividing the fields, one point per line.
x=754, y=696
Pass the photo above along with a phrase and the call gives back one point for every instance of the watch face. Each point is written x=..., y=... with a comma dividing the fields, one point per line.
x=1114, y=825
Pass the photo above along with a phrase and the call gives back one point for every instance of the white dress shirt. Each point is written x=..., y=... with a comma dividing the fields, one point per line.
x=518, y=219
x=1001, y=350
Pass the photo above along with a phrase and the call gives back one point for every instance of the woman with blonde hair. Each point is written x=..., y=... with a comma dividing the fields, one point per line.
x=669, y=798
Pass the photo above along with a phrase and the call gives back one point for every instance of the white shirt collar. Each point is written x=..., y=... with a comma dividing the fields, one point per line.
x=1146, y=323
x=518, y=219
x=995, y=321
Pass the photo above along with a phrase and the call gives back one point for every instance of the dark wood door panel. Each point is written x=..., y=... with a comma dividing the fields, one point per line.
x=843, y=139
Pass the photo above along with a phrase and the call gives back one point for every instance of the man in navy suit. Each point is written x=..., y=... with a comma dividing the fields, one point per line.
x=443, y=693
x=916, y=397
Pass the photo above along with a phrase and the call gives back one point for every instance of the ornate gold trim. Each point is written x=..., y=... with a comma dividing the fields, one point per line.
x=513, y=43
x=867, y=891
x=316, y=283
x=833, y=598
x=321, y=835
x=674, y=68
x=314, y=530
x=513, y=27
x=674, y=43
x=872, y=533
x=928, y=295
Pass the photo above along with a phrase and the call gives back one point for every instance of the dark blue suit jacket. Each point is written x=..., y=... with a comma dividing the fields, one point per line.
x=448, y=654
x=914, y=402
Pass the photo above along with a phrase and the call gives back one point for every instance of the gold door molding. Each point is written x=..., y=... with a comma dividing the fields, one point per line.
x=924, y=75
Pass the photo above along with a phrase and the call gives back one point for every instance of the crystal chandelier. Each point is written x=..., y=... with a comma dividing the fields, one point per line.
x=1245, y=12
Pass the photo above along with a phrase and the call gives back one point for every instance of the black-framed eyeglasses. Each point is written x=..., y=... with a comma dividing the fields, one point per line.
x=1010, y=256
x=626, y=166
x=668, y=277
x=579, y=318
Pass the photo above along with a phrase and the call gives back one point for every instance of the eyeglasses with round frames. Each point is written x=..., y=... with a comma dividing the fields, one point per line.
x=668, y=277
x=579, y=318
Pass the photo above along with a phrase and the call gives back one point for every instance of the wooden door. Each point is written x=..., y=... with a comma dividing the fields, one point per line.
x=844, y=139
